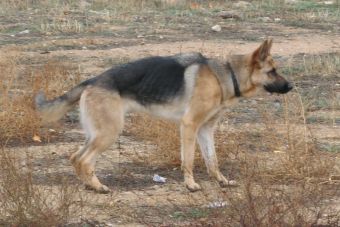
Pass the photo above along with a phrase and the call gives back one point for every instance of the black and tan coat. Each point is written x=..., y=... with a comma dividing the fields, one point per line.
x=188, y=88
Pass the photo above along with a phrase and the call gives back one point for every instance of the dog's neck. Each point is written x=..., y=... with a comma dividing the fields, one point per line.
x=237, y=91
x=239, y=67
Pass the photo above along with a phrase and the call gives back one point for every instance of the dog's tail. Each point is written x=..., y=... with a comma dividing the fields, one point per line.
x=53, y=110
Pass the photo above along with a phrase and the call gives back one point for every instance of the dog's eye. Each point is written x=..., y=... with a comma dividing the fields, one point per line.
x=272, y=72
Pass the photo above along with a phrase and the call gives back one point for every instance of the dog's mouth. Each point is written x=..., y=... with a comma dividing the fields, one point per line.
x=278, y=88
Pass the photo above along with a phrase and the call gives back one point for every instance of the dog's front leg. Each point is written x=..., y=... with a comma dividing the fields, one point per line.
x=206, y=142
x=188, y=141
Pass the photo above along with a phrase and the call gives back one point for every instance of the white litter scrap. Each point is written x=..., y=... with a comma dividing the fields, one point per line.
x=24, y=32
x=217, y=204
x=216, y=28
x=158, y=179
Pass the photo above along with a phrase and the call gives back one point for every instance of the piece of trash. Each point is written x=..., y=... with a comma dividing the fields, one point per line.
x=216, y=28
x=36, y=138
x=278, y=151
x=24, y=32
x=158, y=178
x=217, y=204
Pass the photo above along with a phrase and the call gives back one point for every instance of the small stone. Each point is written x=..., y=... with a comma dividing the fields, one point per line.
x=291, y=1
x=216, y=28
x=265, y=19
x=328, y=2
x=277, y=19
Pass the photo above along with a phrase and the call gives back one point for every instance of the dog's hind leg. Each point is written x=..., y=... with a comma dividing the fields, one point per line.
x=102, y=116
x=188, y=142
x=205, y=139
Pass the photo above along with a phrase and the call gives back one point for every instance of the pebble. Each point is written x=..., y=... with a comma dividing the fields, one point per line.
x=216, y=28
x=328, y=2
x=265, y=19
x=291, y=1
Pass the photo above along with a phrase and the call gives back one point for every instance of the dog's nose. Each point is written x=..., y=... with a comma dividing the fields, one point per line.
x=289, y=86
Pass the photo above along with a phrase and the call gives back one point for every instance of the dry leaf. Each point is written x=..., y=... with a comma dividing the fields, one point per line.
x=36, y=138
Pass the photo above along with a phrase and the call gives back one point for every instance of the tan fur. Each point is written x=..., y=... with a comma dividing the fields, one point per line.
x=102, y=127
x=206, y=100
x=54, y=113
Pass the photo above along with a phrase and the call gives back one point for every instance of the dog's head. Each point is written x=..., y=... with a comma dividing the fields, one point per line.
x=263, y=71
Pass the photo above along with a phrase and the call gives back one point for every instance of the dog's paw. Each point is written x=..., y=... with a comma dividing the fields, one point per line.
x=193, y=187
x=103, y=189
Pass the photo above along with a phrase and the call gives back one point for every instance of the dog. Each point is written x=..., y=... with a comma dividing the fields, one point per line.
x=190, y=89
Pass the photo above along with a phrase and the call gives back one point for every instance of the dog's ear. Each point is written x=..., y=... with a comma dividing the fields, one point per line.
x=261, y=53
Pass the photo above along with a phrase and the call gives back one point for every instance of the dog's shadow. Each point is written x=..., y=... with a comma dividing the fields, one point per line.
x=127, y=176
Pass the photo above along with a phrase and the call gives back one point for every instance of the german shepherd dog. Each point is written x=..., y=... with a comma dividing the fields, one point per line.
x=188, y=88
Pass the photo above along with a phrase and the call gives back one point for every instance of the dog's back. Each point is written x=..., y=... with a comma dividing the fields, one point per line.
x=153, y=80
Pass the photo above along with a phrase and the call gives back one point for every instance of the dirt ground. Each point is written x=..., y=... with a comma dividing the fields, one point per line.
x=136, y=200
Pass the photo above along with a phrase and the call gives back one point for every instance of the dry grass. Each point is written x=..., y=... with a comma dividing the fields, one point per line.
x=19, y=121
x=284, y=176
x=164, y=134
x=324, y=65
x=24, y=203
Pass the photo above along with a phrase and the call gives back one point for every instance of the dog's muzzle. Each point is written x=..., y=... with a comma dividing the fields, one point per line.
x=279, y=87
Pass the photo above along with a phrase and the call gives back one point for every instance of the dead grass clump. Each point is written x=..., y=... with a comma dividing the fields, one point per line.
x=164, y=134
x=326, y=64
x=24, y=203
x=18, y=119
x=55, y=78
x=263, y=202
x=288, y=184
x=62, y=25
